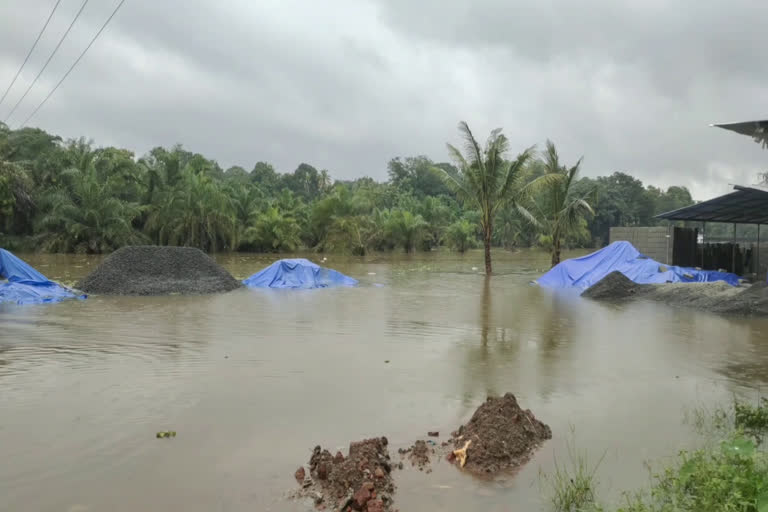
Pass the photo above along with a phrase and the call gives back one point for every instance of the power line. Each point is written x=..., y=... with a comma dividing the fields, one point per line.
x=46, y=62
x=74, y=63
x=30, y=51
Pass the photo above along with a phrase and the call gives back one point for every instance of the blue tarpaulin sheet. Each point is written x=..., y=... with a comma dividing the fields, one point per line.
x=583, y=272
x=297, y=273
x=28, y=286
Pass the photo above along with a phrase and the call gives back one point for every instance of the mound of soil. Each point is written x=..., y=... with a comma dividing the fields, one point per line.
x=153, y=270
x=503, y=436
x=614, y=286
x=361, y=481
x=418, y=454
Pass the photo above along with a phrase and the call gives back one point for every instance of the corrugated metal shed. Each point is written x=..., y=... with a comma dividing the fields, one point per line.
x=745, y=205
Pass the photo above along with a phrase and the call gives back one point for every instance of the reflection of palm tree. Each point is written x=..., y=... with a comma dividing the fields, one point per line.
x=556, y=334
x=485, y=311
x=479, y=356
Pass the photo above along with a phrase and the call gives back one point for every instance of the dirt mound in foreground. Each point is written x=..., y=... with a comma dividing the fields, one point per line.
x=361, y=481
x=153, y=270
x=499, y=436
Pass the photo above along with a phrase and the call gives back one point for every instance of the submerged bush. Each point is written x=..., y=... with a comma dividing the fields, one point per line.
x=752, y=419
x=740, y=416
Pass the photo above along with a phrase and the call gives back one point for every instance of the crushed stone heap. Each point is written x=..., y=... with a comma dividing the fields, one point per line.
x=155, y=270
x=716, y=297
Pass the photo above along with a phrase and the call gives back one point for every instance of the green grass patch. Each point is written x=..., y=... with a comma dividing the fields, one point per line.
x=732, y=477
x=728, y=474
x=572, y=486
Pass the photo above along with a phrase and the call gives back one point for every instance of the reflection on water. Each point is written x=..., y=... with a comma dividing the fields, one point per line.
x=251, y=380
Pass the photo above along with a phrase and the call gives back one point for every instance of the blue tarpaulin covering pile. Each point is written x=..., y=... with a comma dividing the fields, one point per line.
x=297, y=273
x=583, y=272
x=28, y=286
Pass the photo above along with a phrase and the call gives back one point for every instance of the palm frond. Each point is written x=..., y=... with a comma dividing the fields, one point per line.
x=542, y=184
x=457, y=182
x=551, y=158
x=569, y=217
x=514, y=172
x=573, y=173
x=471, y=147
x=527, y=215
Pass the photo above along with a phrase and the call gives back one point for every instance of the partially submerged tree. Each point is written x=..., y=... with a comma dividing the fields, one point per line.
x=487, y=180
x=562, y=210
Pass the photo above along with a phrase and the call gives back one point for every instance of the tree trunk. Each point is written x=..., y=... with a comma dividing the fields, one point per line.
x=556, y=251
x=487, y=241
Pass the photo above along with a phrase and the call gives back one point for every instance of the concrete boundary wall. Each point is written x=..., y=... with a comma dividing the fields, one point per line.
x=654, y=242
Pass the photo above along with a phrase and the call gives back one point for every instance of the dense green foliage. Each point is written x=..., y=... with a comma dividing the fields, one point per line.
x=71, y=196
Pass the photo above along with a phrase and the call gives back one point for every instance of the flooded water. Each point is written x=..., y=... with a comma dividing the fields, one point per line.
x=252, y=380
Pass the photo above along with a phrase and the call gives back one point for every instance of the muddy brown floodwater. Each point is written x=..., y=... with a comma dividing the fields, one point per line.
x=252, y=380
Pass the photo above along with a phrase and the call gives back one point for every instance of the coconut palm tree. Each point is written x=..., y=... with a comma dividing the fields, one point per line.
x=487, y=180
x=246, y=202
x=355, y=233
x=461, y=235
x=561, y=210
x=196, y=213
x=274, y=231
x=16, y=202
x=406, y=229
x=86, y=216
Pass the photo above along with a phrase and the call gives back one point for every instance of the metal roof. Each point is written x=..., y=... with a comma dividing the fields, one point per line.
x=758, y=130
x=745, y=205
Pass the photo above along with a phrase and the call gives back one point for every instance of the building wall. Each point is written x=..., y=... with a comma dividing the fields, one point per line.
x=651, y=241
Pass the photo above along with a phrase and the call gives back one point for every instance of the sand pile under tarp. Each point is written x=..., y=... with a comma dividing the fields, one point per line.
x=716, y=297
x=500, y=436
x=154, y=270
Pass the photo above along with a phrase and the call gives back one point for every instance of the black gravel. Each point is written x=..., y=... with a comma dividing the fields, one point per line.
x=153, y=270
x=613, y=287
x=715, y=297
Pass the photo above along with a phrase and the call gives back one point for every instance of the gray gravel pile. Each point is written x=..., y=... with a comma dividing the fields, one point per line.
x=752, y=301
x=717, y=297
x=613, y=287
x=153, y=270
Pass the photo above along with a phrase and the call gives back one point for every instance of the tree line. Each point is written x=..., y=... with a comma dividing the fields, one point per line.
x=71, y=196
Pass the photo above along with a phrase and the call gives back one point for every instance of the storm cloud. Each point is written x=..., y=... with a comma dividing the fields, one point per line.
x=348, y=84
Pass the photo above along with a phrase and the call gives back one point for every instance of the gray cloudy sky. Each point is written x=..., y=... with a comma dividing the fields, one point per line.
x=348, y=84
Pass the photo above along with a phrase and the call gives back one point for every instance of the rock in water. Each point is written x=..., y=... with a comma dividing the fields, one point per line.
x=154, y=270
